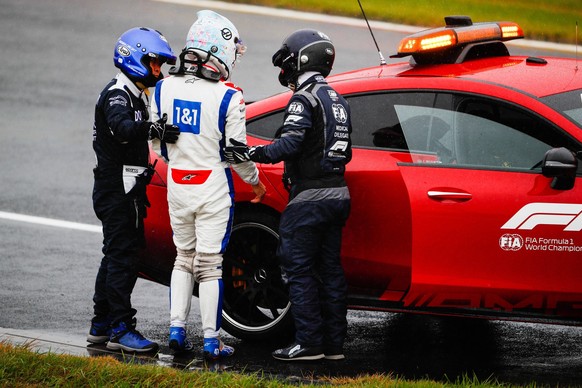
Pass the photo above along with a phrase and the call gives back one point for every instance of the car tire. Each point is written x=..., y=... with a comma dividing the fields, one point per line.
x=256, y=303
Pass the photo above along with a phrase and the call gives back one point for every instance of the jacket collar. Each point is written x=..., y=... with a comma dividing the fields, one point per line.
x=129, y=85
x=309, y=77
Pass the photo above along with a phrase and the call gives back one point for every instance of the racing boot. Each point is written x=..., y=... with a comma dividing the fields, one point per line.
x=214, y=349
x=178, y=340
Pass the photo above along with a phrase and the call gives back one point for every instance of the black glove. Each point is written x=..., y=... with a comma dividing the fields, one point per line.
x=165, y=132
x=141, y=181
x=146, y=176
x=240, y=153
x=237, y=153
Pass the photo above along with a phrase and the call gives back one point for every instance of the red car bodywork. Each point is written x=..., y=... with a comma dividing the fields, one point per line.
x=381, y=256
x=445, y=239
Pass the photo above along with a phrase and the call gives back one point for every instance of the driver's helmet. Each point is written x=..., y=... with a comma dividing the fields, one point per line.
x=302, y=51
x=133, y=52
x=214, y=41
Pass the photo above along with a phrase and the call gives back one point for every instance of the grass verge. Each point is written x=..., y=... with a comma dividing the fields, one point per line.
x=21, y=366
x=552, y=21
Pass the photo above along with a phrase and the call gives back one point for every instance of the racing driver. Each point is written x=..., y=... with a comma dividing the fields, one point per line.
x=207, y=109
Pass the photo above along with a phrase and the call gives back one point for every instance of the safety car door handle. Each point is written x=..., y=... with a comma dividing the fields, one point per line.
x=443, y=195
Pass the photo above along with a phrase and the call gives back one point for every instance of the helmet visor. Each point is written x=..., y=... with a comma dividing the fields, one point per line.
x=280, y=56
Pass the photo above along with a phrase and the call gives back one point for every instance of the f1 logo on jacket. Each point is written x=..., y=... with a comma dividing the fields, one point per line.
x=541, y=213
x=339, y=145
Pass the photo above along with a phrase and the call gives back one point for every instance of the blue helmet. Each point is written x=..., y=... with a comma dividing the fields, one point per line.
x=135, y=48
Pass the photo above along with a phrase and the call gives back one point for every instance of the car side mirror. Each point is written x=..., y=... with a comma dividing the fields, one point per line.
x=560, y=164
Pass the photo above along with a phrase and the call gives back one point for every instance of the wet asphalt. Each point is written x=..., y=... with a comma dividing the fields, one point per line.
x=56, y=59
x=406, y=346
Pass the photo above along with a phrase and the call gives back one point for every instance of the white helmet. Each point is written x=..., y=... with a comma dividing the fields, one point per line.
x=215, y=41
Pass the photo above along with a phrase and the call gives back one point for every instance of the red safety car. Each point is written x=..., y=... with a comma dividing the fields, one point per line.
x=465, y=182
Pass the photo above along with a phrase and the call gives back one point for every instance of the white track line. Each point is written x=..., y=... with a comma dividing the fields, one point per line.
x=50, y=222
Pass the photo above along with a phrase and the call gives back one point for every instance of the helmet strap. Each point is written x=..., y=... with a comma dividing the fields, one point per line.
x=141, y=86
x=192, y=62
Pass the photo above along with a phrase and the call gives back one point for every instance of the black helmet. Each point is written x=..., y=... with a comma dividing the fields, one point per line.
x=304, y=50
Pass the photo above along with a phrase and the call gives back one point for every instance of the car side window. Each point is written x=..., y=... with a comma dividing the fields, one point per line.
x=266, y=127
x=428, y=133
x=453, y=129
x=371, y=127
x=377, y=124
x=495, y=135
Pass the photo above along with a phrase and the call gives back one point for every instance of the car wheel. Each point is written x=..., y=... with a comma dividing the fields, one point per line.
x=256, y=303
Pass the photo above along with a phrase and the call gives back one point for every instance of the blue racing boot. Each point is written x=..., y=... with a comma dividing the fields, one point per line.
x=178, y=340
x=214, y=348
x=125, y=337
x=99, y=332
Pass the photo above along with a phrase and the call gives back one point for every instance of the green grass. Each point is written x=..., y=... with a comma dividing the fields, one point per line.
x=553, y=21
x=21, y=366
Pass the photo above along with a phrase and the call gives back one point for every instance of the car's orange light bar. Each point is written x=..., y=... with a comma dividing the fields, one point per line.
x=428, y=42
x=510, y=30
x=456, y=35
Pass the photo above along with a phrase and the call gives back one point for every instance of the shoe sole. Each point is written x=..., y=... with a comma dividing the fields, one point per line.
x=117, y=346
x=95, y=339
x=335, y=357
x=301, y=358
x=209, y=357
x=174, y=345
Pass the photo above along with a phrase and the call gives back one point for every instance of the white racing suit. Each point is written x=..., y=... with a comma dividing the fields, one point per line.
x=200, y=187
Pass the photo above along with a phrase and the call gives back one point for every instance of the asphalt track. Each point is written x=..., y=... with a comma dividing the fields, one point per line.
x=56, y=59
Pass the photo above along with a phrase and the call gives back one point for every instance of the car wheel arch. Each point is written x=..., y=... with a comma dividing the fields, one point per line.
x=256, y=305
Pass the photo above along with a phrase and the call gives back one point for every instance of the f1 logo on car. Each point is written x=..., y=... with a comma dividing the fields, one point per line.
x=540, y=213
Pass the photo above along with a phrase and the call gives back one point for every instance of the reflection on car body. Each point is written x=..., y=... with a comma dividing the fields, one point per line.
x=465, y=184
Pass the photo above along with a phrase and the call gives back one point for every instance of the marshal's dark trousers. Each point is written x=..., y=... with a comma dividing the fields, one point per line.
x=123, y=236
x=309, y=250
